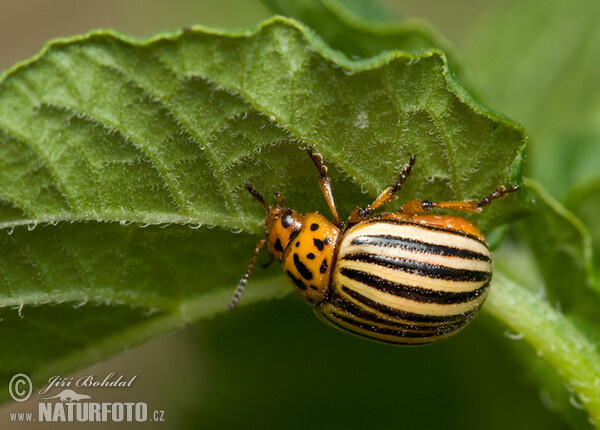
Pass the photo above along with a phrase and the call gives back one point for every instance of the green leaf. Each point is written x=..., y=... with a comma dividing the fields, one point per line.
x=126, y=154
x=544, y=74
x=364, y=29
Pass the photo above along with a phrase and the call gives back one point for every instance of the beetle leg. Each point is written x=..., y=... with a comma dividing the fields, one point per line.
x=325, y=183
x=414, y=207
x=418, y=206
x=386, y=196
x=498, y=194
x=244, y=281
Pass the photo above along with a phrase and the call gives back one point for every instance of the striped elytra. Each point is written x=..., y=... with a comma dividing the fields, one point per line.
x=404, y=282
x=403, y=278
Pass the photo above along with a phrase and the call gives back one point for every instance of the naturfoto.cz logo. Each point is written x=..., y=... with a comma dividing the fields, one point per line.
x=70, y=405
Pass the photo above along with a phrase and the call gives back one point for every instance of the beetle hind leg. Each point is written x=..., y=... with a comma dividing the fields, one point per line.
x=414, y=207
x=500, y=192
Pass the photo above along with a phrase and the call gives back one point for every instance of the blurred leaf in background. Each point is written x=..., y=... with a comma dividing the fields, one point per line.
x=276, y=365
x=46, y=20
x=538, y=62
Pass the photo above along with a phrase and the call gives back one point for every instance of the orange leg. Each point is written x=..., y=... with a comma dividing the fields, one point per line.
x=325, y=183
x=413, y=207
x=388, y=194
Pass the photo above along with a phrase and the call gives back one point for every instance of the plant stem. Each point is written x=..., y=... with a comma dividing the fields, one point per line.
x=553, y=336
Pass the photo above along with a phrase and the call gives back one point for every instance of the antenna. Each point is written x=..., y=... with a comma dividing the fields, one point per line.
x=256, y=195
x=244, y=281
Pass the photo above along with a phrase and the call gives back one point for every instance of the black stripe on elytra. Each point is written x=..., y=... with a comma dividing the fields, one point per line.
x=349, y=308
x=302, y=269
x=421, y=268
x=380, y=330
x=278, y=246
x=409, y=316
x=426, y=227
x=413, y=245
x=397, y=341
x=417, y=294
x=297, y=282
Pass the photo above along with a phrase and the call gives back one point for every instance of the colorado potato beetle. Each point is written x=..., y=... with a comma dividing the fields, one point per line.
x=403, y=278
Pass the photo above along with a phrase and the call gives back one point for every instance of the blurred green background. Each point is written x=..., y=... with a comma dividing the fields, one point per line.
x=25, y=25
x=274, y=365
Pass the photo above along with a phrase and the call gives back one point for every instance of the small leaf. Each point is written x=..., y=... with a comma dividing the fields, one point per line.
x=103, y=135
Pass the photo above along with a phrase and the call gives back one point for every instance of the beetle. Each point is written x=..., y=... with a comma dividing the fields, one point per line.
x=404, y=278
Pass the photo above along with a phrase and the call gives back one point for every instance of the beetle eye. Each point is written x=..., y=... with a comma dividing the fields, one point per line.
x=287, y=220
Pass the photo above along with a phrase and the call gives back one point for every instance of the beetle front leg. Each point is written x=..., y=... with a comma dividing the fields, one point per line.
x=324, y=183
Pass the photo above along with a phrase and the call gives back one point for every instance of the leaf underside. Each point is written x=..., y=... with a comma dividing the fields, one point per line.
x=119, y=157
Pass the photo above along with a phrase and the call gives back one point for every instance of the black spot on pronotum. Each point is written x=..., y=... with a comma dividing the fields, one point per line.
x=314, y=226
x=297, y=244
x=278, y=246
x=323, y=267
x=310, y=256
x=313, y=287
x=297, y=282
x=302, y=269
x=320, y=244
